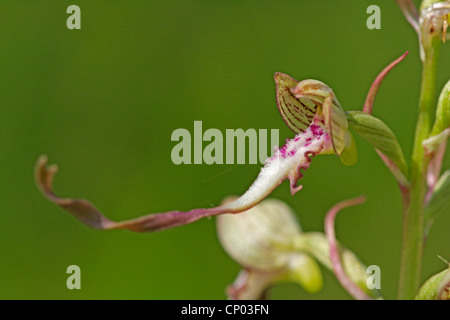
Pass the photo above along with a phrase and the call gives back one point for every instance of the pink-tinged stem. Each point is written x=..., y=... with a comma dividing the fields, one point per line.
x=410, y=12
x=368, y=104
x=335, y=257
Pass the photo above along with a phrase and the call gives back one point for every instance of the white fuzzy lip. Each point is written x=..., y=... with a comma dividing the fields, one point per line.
x=286, y=163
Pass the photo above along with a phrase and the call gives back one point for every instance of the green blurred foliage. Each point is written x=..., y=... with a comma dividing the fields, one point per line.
x=103, y=101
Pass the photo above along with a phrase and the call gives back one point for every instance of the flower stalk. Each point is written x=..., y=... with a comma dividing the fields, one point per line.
x=413, y=211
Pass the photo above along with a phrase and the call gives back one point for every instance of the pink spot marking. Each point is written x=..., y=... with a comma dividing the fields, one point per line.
x=316, y=130
x=283, y=151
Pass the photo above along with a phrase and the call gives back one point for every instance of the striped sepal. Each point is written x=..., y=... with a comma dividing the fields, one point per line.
x=297, y=113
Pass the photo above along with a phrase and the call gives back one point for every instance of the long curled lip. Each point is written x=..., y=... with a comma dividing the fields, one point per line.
x=286, y=163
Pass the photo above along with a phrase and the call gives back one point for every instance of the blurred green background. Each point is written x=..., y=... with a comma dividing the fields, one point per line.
x=102, y=103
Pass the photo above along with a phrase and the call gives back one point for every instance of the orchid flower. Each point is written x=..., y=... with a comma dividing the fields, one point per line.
x=434, y=19
x=311, y=109
x=262, y=240
x=268, y=243
x=410, y=12
x=432, y=22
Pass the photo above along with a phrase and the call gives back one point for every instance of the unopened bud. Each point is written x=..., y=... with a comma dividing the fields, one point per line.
x=436, y=287
x=434, y=20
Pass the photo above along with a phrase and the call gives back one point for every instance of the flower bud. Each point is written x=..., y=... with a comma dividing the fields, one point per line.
x=436, y=287
x=433, y=21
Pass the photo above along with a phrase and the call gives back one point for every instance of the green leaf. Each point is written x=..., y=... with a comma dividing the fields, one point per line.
x=439, y=201
x=378, y=134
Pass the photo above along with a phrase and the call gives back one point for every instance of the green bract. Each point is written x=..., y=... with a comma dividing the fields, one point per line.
x=378, y=134
x=316, y=244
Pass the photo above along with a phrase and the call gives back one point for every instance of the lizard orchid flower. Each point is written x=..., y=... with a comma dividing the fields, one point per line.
x=268, y=243
x=308, y=107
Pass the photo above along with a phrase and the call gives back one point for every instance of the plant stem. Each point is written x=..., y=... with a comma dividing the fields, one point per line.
x=413, y=210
